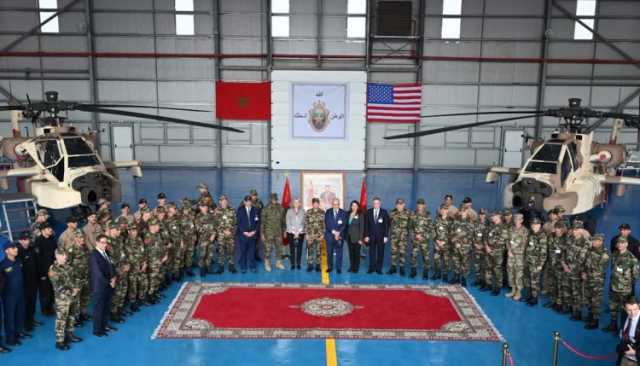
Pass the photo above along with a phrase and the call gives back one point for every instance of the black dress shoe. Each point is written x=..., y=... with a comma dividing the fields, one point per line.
x=100, y=334
x=189, y=273
x=4, y=349
x=14, y=343
x=110, y=328
x=392, y=270
x=328, y=270
x=37, y=323
x=62, y=346
x=72, y=339
x=317, y=268
x=339, y=270
x=370, y=271
x=24, y=335
x=232, y=269
x=379, y=271
x=309, y=268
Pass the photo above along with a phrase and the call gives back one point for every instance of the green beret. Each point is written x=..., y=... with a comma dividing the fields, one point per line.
x=598, y=237
x=421, y=201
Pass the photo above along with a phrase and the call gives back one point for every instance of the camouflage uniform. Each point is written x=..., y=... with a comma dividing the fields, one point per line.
x=189, y=234
x=272, y=228
x=399, y=235
x=555, y=255
x=78, y=260
x=441, y=248
x=120, y=264
x=206, y=227
x=314, y=227
x=136, y=251
x=547, y=270
x=64, y=285
x=495, y=242
x=574, y=258
x=175, y=245
x=595, y=268
x=421, y=225
x=155, y=255
x=461, y=236
x=226, y=229
x=535, y=256
x=624, y=271
x=479, y=255
x=515, y=260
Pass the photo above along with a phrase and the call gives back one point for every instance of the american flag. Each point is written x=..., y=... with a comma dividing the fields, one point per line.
x=394, y=103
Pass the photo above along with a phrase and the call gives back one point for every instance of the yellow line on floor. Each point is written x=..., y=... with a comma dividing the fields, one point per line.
x=330, y=343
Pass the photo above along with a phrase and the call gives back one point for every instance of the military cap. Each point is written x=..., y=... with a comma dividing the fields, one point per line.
x=624, y=226
x=44, y=225
x=60, y=252
x=421, y=201
x=90, y=213
x=8, y=245
x=518, y=216
x=161, y=195
x=553, y=211
x=185, y=202
x=598, y=236
x=132, y=226
x=113, y=225
x=496, y=213
x=124, y=204
x=202, y=185
x=559, y=209
x=400, y=201
x=507, y=213
x=154, y=222
x=443, y=207
x=274, y=196
x=102, y=201
x=42, y=212
x=72, y=219
x=145, y=210
x=535, y=220
x=142, y=200
x=622, y=239
x=122, y=220
x=24, y=235
x=160, y=209
x=577, y=224
x=482, y=211
x=253, y=192
x=203, y=202
x=78, y=233
x=222, y=198
x=315, y=200
x=560, y=225
x=448, y=196
x=467, y=200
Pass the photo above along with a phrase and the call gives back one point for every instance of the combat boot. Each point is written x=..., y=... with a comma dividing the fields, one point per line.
x=593, y=323
x=533, y=301
x=496, y=291
x=613, y=327
x=309, y=268
x=576, y=315
x=526, y=295
x=436, y=275
x=279, y=264
x=517, y=295
x=135, y=307
x=317, y=268
x=392, y=270
x=445, y=277
x=402, y=271
x=189, y=272
x=463, y=282
x=71, y=338
x=267, y=265
x=425, y=274
x=511, y=293
x=414, y=272
x=455, y=279
x=485, y=287
x=62, y=346
x=477, y=283
x=203, y=272
x=232, y=268
x=566, y=309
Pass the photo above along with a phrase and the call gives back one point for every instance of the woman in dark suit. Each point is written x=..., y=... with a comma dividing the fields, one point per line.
x=355, y=234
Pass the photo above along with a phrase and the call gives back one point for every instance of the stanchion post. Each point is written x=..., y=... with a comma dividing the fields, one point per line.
x=556, y=345
x=505, y=353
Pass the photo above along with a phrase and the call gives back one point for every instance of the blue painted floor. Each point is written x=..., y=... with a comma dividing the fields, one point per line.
x=527, y=330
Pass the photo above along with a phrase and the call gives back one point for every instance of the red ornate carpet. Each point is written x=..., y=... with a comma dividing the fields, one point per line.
x=250, y=310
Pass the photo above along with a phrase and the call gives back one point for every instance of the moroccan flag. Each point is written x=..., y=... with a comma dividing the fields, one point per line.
x=286, y=201
x=250, y=101
x=363, y=194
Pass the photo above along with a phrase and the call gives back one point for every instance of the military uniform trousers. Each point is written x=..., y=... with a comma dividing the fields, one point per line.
x=515, y=269
x=120, y=293
x=494, y=265
x=532, y=279
x=84, y=296
x=420, y=247
x=226, y=249
x=616, y=302
x=13, y=309
x=155, y=276
x=479, y=262
x=313, y=251
x=189, y=250
x=271, y=242
x=205, y=253
x=398, y=249
x=178, y=257
x=65, y=316
x=594, y=289
x=441, y=257
x=461, y=258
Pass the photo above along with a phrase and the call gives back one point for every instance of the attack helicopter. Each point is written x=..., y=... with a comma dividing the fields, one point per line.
x=570, y=169
x=59, y=165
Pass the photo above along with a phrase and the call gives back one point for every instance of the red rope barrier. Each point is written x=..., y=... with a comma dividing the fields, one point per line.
x=511, y=363
x=571, y=348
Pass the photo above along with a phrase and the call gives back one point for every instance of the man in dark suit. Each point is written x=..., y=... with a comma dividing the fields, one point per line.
x=45, y=247
x=335, y=222
x=248, y=232
x=376, y=235
x=27, y=254
x=103, y=281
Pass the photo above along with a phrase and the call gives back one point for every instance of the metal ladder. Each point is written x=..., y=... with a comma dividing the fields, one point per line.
x=18, y=213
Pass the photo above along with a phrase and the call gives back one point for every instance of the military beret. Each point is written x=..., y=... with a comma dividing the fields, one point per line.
x=161, y=195
x=253, y=192
x=185, y=201
x=42, y=212
x=421, y=201
x=448, y=196
x=132, y=226
x=559, y=209
x=24, y=235
x=160, y=209
x=560, y=225
x=443, y=207
x=124, y=204
x=171, y=205
x=8, y=245
x=72, y=219
x=496, y=213
x=79, y=234
x=400, y=201
x=518, y=216
x=507, y=213
x=467, y=200
x=222, y=198
x=535, y=220
x=145, y=210
x=598, y=237
x=202, y=185
x=142, y=200
x=315, y=200
x=113, y=225
x=122, y=220
x=102, y=201
x=624, y=226
x=274, y=196
x=90, y=213
x=60, y=252
x=482, y=211
x=622, y=239
x=154, y=222
x=577, y=224
x=44, y=225
x=203, y=202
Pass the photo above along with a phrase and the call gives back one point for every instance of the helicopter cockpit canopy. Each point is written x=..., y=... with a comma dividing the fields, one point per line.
x=546, y=159
x=52, y=152
x=79, y=152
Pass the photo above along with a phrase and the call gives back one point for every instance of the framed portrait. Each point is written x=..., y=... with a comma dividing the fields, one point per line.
x=325, y=186
x=318, y=111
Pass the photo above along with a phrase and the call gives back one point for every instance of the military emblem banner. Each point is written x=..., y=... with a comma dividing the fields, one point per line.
x=318, y=110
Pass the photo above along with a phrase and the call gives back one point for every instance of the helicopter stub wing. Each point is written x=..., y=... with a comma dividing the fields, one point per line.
x=495, y=171
x=134, y=166
x=618, y=179
x=17, y=173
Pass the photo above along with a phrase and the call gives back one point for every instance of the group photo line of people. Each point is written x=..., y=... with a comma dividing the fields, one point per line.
x=119, y=263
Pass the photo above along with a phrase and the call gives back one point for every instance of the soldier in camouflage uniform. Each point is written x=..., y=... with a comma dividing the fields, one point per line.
x=399, y=218
x=176, y=248
x=125, y=212
x=549, y=228
x=91, y=230
x=479, y=261
x=624, y=271
x=495, y=245
x=137, y=257
x=160, y=214
x=441, y=247
x=118, y=255
x=422, y=231
x=67, y=238
x=272, y=229
x=461, y=237
x=78, y=259
x=515, y=254
x=65, y=287
x=595, y=270
x=574, y=256
x=555, y=255
x=534, y=258
x=314, y=226
x=42, y=216
x=225, y=218
x=189, y=235
x=206, y=229
x=156, y=257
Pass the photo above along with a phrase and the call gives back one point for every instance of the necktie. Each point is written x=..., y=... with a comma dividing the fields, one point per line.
x=625, y=332
x=335, y=214
x=375, y=214
x=249, y=213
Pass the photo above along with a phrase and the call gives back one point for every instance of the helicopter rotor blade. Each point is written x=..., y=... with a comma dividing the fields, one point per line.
x=479, y=113
x=458, y=127
x=12, y=108
x=141, y=106
x=630, y=120
x=156, y=117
